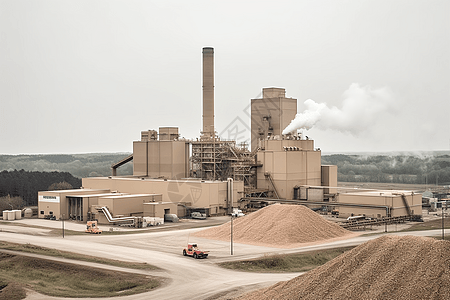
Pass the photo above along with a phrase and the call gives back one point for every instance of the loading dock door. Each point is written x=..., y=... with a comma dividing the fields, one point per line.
x=75, y=208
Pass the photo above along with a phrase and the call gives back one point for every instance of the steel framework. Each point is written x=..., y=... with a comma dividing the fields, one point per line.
x=216, y=159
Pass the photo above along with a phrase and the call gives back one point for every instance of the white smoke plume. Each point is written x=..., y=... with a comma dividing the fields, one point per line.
x=361, y=108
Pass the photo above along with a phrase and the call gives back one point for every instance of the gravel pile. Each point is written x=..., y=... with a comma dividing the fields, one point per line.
x=277, y=225
x=389, y=267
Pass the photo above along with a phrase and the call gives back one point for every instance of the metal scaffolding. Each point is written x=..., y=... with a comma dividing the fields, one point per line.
x=216, y=159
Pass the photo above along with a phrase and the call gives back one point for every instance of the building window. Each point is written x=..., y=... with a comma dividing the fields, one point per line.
x=50, y=212
x=42, y=212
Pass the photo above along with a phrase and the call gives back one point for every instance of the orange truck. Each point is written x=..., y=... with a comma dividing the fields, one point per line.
x=194, y=251
x=92, y=227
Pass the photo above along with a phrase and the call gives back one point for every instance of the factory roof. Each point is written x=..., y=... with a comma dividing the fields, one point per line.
x=191, y=180
x=96, y=195
x=129, y=195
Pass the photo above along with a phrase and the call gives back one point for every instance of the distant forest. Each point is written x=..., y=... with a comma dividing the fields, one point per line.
x=51, y=171
x=79, y=165
x=26, y=184
x=401, y=168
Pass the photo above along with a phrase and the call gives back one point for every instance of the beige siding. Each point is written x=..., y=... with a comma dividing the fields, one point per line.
x=192, y=192
x=140, y=158
x=288, y=168
x=391, y=199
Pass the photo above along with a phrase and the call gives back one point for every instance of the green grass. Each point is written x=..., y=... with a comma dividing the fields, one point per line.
x=68, y=280
x=70, y=255
x=446, y=237
x=278, y=263
x=11, y=291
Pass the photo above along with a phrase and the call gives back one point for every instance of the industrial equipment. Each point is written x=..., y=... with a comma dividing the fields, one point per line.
x=92, y=227
x=194, y=251
x=198, y=215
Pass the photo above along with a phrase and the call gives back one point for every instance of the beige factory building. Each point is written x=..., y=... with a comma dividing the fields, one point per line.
x=271, y=114
x=385, y=203
x=128, y=196
x=175, y=176
x=166, y=157
x=286, y=164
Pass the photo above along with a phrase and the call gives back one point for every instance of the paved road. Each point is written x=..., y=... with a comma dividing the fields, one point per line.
x=188, y=278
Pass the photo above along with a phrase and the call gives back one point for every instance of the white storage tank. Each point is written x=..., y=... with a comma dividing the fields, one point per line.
x=28, y=213
x=18, y=214
x=5, y=215
x=11, y=215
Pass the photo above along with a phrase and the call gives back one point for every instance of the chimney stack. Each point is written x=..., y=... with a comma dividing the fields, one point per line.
x=208, y=92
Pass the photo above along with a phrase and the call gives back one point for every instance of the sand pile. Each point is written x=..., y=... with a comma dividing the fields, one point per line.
x=389, y=267
x=277, y=225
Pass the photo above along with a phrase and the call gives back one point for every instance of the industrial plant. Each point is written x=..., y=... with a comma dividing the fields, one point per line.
x=213, y=176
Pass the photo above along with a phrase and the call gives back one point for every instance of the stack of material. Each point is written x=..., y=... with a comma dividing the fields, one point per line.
x=389, y=267
x=282, y=226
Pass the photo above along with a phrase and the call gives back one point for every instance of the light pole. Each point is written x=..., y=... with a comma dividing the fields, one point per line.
x=443, y=231
x=214, y=151
x=231, y=234
x=62, y=224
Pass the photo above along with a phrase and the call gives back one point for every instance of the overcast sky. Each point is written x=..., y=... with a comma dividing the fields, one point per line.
x=88, y=76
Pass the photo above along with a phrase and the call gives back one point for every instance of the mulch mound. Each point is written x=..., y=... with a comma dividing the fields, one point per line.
x=277, y=225
x=389, y=267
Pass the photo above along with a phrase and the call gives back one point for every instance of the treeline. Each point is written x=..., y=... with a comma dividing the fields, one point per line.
x=412, y=169
x=25, y=184
x=79, y=165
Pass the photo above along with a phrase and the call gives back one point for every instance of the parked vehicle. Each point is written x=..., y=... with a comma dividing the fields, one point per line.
x=198, y=215
x=194, y=251
x=356, y=218
x=237, y=213
x=92, y=227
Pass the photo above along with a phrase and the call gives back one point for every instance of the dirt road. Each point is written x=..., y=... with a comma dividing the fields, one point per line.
x=188, y=278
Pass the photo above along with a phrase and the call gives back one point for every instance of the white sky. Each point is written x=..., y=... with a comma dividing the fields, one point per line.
x=88, y=76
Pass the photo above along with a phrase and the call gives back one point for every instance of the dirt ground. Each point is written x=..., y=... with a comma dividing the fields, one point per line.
x=389, y=267
x=162, y=247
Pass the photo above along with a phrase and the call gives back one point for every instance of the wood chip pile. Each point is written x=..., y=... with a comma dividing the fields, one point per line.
x=277, y=225
x=389, y=267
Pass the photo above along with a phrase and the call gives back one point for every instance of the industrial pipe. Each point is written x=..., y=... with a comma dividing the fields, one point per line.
x=230, y=194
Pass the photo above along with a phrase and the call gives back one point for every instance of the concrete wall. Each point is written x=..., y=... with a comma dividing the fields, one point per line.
x=329, y=178
x=288, y=168
x=140, y=158
x=157, y=209
x=168, y=159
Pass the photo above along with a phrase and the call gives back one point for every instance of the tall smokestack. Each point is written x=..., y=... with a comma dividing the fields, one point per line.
x=208, y=92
